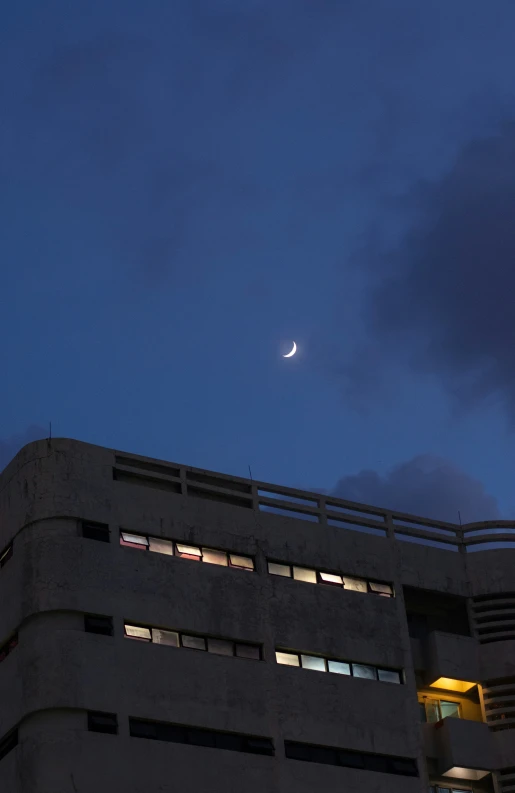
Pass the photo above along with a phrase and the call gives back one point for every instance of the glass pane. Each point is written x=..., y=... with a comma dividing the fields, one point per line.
x=303, y=574
x=214, y=557
x=220, y=647
x=279, y=569
x=244, y=562
x=193, y=642
x=449, y=709
x=329, y=578
x=161, y=546
x=139, y=633
x=248, y=651
x=422, y=712
x=362, y=670
x=432, y=710
x=290, y=659
x=171, y=638
x=389, y=676
x=137, y=539
x=189, y=551
x=312, y=662
x=383, y=588
x=339, y=667
x=356, y=584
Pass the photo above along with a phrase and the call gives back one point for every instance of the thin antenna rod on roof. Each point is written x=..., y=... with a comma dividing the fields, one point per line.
x=50, y=431
x=459, y=516
x=250, y=472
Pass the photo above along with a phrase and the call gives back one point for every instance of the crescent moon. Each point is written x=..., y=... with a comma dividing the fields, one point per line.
x=293, y=351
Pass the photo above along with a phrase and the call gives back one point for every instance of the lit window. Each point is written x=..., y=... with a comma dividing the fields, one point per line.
x=389, y=676
x=193, y=642
x=312, y=662
x=339, y=667
x=214, y=557
x=220, y=647
x=133, y=540
x=304, y=574
x=329, y=578
x=381, y=589
x=252, y=651
x=449, y=709
x=135, y=632
x=189, y=552
x=361, y=670
x=242, y=562
x=289, y=659
x=161, y=546
x=279, y=569
x=170, y=638
x=356, y=584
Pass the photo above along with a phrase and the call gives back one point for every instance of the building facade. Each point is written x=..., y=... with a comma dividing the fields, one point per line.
x=167, y=628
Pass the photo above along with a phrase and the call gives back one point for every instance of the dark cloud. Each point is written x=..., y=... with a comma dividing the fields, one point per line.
x=442, y=299
x=9, y=447
x=428, y=486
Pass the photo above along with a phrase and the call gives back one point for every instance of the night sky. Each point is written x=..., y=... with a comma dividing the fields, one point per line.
x=187, y=187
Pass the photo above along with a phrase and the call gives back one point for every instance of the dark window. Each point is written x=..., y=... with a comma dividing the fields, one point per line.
x=197, y=736
x=6, y=555
x=97, y=624
x=8, y=647
x=102, y=722
x=404, y=766
x=8, y=743
x=248, y=651
x=96, y=531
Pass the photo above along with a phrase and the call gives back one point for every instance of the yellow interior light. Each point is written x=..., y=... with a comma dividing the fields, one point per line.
x=452, y=685
x=473, y=774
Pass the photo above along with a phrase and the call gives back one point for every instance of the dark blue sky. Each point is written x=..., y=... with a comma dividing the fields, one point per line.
x=187, y=187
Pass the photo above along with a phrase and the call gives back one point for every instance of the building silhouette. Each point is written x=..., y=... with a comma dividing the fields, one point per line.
x=165, y=628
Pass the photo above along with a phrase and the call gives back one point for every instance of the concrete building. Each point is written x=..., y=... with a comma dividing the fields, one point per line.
x=165, y=628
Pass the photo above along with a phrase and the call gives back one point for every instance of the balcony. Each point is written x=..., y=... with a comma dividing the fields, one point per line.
x=451, y=661
x=462, y=749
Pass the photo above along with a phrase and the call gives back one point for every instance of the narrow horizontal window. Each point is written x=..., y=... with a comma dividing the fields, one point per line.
x=354, y=584
x=330, y=578
x=346, y=758
x=133, y=540
x=193, y=642
x=95, y=531
x=362, y=670
x=288, y=659
x=157, y=545
x=94, y=623
x=8, y=647
x=6, y=555
x=304, y=574
x=338, y=667
x=170, y=638
x=135, y=632
x=312, y=662
x=381, y=589
x=189, y=552
x=102, y=722
x=279, y=569
x=199, y=736
x=241, y=562
x=252, y=651
x=214, y=557
x=389, y=675
x=8, y=743
x=220, y=647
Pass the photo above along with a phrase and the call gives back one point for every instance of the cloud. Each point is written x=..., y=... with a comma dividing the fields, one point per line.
x=9, y=447
x=427, y=485
x=441, y=303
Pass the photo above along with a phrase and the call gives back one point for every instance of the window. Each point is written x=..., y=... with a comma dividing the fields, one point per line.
x=279, y=569
x=304, y=574
x=95, y=531
x=320, y=664
x=6, y=555
x=138, y=541
x=194, y=553
x=8, y=647
x=160, y=546
x=386, y=764
x=214, y=557
x=226, y=647
x=329, y=578
x=94, y=623
x=312, y=576
x=8, y=743
x=241, y=562
x=434, y=710
x=385, y=590
x=189, y=552
x=354, y=584
x=198, y=736
x=102, y=722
